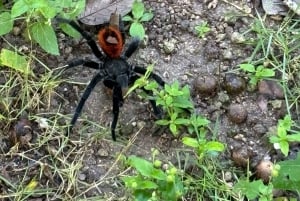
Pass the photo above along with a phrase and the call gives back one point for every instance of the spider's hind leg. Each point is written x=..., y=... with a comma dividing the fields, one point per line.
x=97, y=78
x=156, y=110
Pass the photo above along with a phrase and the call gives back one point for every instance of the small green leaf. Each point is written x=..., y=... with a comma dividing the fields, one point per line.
x=250, y=189
x=248, y=67
x=162, y=122
x=141, y=165
x=253, y=81
x=174, y=116
x=127, y=18
x=284, y=147
x=147, y=17
x=137, y=30
x=293, y=137
x=45, y=36
x=169, y=100
x=261, y=71
x=173, y=128
x=289, y=175
x=48, y=12
x=190, y=142
x=182, y=121
x=6, y=23
x=138, y=9
x=214, y=146
x=151, y=85
x=15, y=61
x=19, y=8
x=281, y=132
x=274, y=139
x=69, y=30
x=286, y=122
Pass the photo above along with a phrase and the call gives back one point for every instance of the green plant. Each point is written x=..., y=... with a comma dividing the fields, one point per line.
x=151, y=182
x=288, y=177
x=37, y=15
x=173, y=99
x=139, y=16
x=282, y=139
x=201, y=144
x=257, y=73
x=254, y=189
x=202, y=29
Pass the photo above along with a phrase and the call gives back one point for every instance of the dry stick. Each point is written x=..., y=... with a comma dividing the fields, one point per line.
x=239, y=8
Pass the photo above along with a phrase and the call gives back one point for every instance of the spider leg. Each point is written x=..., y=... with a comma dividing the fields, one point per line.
x=133, y=46
x=117, y=101
x=85, y=35
x=97, y=78
x=157, y=111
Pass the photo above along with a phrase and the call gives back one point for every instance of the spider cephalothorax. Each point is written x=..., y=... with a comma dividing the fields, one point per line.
x=113, y=68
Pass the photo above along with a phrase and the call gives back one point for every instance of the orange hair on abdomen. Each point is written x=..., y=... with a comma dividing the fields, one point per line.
x=112, y=50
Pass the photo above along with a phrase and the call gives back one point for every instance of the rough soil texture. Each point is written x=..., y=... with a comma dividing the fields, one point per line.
x=180, y=55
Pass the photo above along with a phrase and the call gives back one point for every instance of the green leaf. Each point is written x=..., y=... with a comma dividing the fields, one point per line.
x=19, y=8
x=281, y=132
x=143, y=166
x=69, y=30
x=261, y=71
x=151, y=85
x=138, y=9
x=190, y=142
x=182, y=102
x=289, y=175
x=182, y=121
x=286, y=122
x=48, y=12
x=253, y=81
x=6, y=23
x=248, y=68
x=284, y=147
x=214, y=146
x=137, y=30
x=146, y=168
x=293, y=137
x=274, y=139
x=162, y=122
x=169, y=100
x=127, y=18
x=250, y=189
x=15, y=61
x=140, y=183
x=146, y=17
x=173, y=128
x=45, y=36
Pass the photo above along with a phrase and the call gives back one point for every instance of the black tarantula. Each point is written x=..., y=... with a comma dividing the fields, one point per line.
x=113, y=68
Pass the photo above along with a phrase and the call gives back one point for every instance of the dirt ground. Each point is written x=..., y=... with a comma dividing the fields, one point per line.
x=172, y=44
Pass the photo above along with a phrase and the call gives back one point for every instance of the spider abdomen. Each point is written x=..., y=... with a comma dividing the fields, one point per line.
x=111, y=41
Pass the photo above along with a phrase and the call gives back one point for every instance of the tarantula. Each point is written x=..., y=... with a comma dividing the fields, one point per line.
x=113, y=68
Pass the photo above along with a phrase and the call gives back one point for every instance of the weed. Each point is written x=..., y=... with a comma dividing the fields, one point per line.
x=202, y=29
x=282, y=139
x=288, y=175
x=255, y=189
x=139, y=16
x=37, y=15
x=257, y=73
x=151, y=182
